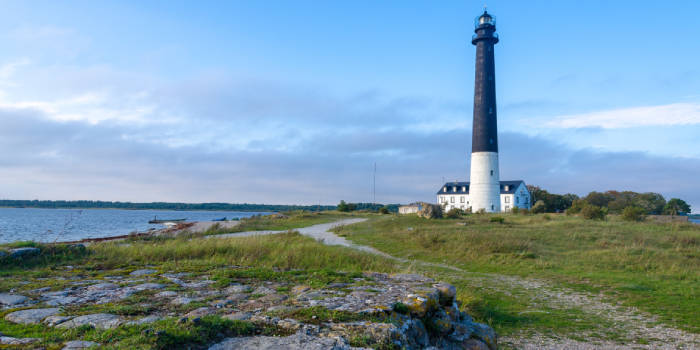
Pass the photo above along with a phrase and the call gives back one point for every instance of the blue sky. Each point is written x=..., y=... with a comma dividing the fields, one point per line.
x=293, y=101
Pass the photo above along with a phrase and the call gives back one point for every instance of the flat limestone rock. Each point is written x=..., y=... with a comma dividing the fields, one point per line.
x=102, y=286
x=12, y=299
x=52, y=321
x=58, y=301
x=145, y=320
x=30, y=316
x=143, y=272
x=298, y=341
x=79, y=344
x=101, y=321
x=17, y=341
x=148, y=286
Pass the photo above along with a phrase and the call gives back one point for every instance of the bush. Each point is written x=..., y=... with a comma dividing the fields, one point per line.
x=593, y=212
x=524, y=211
x=481, y=211
x=576, y=207
x=498, y=219
x=383, y=210
x=633, y=214
x=454, y=213
x=538, y=207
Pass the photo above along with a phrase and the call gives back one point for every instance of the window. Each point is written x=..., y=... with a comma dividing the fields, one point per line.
x=461, y=199
x=464, y=188
x=461, y=207
x=491, y=206
x=507, y=199
x=490, y=110
x=507, y=207
x=517, y=199
x=452, y=199
x=491, y=172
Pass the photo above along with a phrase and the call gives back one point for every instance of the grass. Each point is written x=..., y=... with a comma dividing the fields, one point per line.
x=289, y=221
x=290, y=258
x=653, y=267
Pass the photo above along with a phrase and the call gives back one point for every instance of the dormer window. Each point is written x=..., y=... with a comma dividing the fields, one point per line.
x=454, y=189
x=444, y=189
x=505, y=187
x=464, y=188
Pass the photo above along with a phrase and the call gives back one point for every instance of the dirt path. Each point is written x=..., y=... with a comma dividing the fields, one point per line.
x=631, y=323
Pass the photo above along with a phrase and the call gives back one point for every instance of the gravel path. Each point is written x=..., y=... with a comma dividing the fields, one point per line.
x=633, y=323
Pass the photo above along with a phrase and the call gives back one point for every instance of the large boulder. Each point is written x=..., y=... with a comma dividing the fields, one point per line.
x=430, y=211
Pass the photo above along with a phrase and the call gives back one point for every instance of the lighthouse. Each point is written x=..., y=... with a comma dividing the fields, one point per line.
x=484, y=191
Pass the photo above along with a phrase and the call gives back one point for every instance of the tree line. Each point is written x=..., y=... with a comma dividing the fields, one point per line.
x=85, y=204
x=612, y=201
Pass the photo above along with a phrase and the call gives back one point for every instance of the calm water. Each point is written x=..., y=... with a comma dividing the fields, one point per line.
x=697, y=221
x=48, y=225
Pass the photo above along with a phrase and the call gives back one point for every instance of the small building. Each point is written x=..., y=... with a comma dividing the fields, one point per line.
x=412, y=208
x=456, y=195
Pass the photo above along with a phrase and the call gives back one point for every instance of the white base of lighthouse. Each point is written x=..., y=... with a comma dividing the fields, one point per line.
x=484, y=183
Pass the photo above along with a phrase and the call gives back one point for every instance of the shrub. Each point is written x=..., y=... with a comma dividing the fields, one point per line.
x=454, y=213
x=633, y=214
x=524, y=211
x=481, y=211
x=593, y=212
x=515, y=210
x=576, y=207
x=538, y=207
x=383, y=210
x=498, y=219
x=546, y=217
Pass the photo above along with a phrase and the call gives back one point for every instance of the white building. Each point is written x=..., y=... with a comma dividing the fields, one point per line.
x=410, y=209
x=456, y=195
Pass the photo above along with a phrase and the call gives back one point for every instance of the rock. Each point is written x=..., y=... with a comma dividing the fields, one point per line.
x=166, y=294
x=237, y=297
x=263, y=290
x=142, y=272
x=197, y=285
x=12, y=299
x=102, y=286
x=485, y=334
x=273, y=298
x=62, y=301
x=474, y=344
x=145, y=320
x=447, y=291
x=298, y=341
x=20, y=253
x=79, y=344
x=337, y=285
x=30, y=316
x=238, y=288
x=182, y=300
x=53, y=321
x=101, y=321
x=411, y=277
x=148, y=286
x=300, y=289
x=17, y=341
x=441, y=322
x=421, y=300
x=201, y=312
x=238, y=316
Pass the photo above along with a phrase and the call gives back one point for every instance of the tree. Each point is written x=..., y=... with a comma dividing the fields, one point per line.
x=599, y=199
x=552, y=202
x=384, y=210
x=676, y=206
x=343, y=206
x=539, y=207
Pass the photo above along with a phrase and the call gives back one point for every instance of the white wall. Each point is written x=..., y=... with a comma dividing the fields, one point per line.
x=485, y=186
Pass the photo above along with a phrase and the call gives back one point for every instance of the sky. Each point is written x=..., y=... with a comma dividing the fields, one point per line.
x=293, y=102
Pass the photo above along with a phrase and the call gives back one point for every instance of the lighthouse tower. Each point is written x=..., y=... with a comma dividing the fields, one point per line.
x=484, y=189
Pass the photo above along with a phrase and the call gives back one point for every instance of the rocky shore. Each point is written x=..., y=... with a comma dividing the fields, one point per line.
x=372, y=310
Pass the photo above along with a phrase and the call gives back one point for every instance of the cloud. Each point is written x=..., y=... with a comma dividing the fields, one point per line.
x=77, y=160
x=664, y=115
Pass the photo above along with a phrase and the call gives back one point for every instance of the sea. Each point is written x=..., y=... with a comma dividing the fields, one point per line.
x=61, y=225
x=697, y=221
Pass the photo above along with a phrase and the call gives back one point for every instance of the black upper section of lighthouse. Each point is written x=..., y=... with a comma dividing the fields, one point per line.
x=484, y=131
